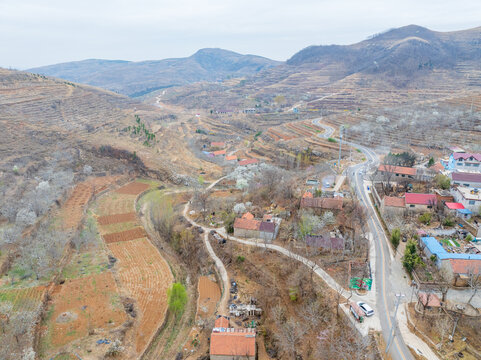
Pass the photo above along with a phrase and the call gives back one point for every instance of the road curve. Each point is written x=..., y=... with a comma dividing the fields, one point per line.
x=384, y=292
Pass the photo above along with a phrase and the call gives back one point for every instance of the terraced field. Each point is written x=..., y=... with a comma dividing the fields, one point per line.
x=145, y=276
x=141, y=272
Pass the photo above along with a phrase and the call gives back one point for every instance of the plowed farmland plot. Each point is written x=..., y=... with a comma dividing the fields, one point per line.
x=115, y=204
x=209, y=295
x=114, y=219
x=23, y=299
x=133, y=188
x=127, y=235
x=73, y=209
x=81, y=305
x=145, y=275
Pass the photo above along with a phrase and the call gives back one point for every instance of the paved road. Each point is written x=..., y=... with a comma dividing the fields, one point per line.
x=384, y=260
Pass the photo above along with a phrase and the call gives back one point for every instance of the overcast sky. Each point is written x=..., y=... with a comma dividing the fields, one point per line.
x=42, y=32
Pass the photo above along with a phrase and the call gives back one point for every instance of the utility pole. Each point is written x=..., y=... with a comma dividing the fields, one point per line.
x=391, y=333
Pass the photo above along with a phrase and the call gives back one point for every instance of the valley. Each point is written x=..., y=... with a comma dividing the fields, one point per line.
x=236, y=206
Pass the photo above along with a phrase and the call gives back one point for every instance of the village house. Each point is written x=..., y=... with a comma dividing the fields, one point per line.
x=443, y=196
x=231, y=158
x=398, y=172
x=323, y=203
x=391, y=205
x=453, y=265
x=246, y=162
x=470, y=198
x=464, y=162
x=461, y=270
x=227, y=343
x=457, y=209
x=219, y=145
x=472, y=180
x=325, y=241
x=249, y=227
x=218, y=153
x=420, y=202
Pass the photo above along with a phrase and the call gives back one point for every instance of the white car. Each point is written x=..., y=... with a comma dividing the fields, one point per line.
x=366, y=308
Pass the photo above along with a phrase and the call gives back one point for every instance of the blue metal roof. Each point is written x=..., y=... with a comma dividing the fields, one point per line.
x=464, y=211
x=435, y=248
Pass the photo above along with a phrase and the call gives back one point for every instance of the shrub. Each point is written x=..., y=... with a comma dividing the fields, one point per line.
x=433, y=257
x=411, y=258
x=442, y=181
x=469, y=237
x=293, y=294
x=425, y=218
x=431, y=161
x=240, y=259
x=448, y=222
x=177, y=298
x=332, y=140
x=395, y=238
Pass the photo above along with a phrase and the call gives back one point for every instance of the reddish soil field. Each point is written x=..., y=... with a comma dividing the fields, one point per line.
x=146, y=276
x=114, y=219
x=127, y=235
x=209, y=295
x=79, y=304
x=133, y=188
x=73, y=209
x=115, y=204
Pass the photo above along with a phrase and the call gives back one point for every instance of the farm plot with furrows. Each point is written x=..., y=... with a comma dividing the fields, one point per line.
x=28, y=299
x=115, y=204
x=127, y=235
x=118, y=227
x=73, y=209
x=146, y=276
x=133, y=188
x=118, y=218
x=78, y=306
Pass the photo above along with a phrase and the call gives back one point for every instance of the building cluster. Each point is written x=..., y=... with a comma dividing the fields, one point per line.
x=462, y=200
x=456, y=266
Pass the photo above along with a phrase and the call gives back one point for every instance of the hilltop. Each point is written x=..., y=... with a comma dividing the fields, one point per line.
x=138, y=78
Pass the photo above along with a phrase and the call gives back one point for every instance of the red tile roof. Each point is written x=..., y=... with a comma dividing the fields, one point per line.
x=462, y=266
x=397, y=169
x=394, y=201
x=322, y=203
x=466, y=156
x=221, y=322
x=247, y=224
x=420, y=199
x=454, y=206
x=217, y=144
x=218, y=152
x=248, y=162
x=233, y=342
x=248, y=216
x=231, y=157
x=307, y=194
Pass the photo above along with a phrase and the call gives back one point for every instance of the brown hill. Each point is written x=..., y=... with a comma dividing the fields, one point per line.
x=139, y=78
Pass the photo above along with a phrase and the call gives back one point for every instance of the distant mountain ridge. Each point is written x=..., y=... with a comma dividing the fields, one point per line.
x=404, y=52
x=138, y=78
